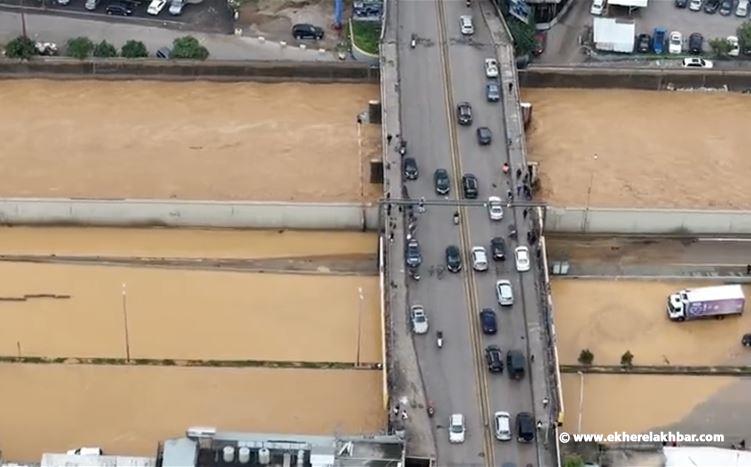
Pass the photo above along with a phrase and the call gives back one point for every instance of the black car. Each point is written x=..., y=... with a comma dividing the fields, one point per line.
x=488, y=321
x=453, y=259
x=121, y=9
x=498, y=248
x=726, y=7
x=525, y=427
x=413, y=256
x=484, y=136
x=470, y=186
x=642, y=43
x=695, y=43
x=410, y=168
x=516, y=364
x=711, y=6
x=493, y=91
x=441, y=181
x=306, y=31
x=681, y=3
x=494, y=359
x=464, y=113
x=746, y=340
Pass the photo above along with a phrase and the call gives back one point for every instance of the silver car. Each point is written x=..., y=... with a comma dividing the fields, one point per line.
x=521, y=253
x=502, y=426
x=419, y=319
x=479, y=259
x=504, y=292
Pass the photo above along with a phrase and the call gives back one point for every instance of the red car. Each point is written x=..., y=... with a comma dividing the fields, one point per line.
x=540, y=39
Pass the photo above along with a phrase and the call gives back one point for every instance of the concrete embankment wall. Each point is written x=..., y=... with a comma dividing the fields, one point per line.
x=647, y=221
x=633, y=78
x=256, y=70
x=174, y=213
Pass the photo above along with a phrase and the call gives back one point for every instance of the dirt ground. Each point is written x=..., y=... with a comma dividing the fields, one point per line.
x=185, y=140
x=641, y=149
x=127, y=410
x=611, y=317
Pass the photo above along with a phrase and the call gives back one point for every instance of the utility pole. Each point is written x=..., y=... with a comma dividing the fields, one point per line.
x=361, y=298
x=125, y=319
x=23, y=20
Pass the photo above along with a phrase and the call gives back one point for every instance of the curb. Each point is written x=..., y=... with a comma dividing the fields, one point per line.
x=282, y=44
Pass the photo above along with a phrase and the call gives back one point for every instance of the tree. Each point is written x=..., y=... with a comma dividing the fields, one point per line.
x=720, y=47
x=523, y=34
x=573, y=460
x=188, y=47
x=80, y=47
x=586, y=357
x=627, y=359
x=105, y=49
x=134, y=49
x=20, y=47
x=744, y=36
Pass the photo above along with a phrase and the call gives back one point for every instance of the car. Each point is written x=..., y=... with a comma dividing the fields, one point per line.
x=642, y=43
x=742, y=9
x=521, y=254
x=504, y=292
x=540, y=40
x=696, y=62
x=164, y=53
x=156, y=7
x=495, y=208
x=711, y=6
x=695, y=43
x=465, y=23
x=498, y=248
x=515, y=363
x=441, y=181
x=464, y=113
x=491, y=68
x=453, y=258
x=492, y=91
x=502, y=424
x=726, y=7
x=746, y=340
x=681, y=3
x=479, y=259
x=119, y=8
x=694, y=5
x=675, y=43
x=413, y=257
x=419, y=319
x=659, y=35
x=307, y=31
x=410, y=168
x=525, y=427
x=470, y=186
x=598, y=7
x=488, y=321
x=484, y=136
x=63, y=2
x=456, y=428
x=176, y=7
x=494, y=359
x=735, y=48
x=91, y=5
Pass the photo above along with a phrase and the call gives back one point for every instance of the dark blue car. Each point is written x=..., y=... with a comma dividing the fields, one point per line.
x=658, y=40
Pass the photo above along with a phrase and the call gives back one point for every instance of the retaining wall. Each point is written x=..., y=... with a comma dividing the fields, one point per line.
x=173, y=213
x=247, y=70
x=647, y=221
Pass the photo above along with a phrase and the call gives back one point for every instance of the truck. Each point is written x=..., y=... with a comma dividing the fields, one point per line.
x=704, y=302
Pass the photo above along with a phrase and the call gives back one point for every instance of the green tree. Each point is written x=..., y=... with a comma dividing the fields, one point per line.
x=20, y=47
x=105, y=49
x=744, y=35
x=523, y=34
x=188, y=47
x=586, y=357
x=134, y=49
x=573, y=460
x=80, y=47
x=627, y=359
x=720, y=47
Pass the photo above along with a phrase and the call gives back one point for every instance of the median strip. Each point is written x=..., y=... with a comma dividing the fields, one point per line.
x=700, y=370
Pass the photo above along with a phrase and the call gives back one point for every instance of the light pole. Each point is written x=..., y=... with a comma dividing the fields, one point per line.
x=125, y=320
x=589, y=192
x=581, y=400
x=23, y=20
x=361, y=298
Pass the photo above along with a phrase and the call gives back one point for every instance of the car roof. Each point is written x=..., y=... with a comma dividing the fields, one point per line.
x=457, y=418
x=522, y=248
x=503, y=281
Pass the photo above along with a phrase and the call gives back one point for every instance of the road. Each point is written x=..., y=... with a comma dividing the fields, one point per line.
x=432, y=80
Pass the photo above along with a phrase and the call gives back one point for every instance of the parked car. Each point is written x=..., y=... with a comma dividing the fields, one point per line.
x=488, y=321
x=735, y=48
x=642, y=43
x=176, y=7
x=746, y=340
x=711, y=6
x=413, y=257
x=164, y=53
x=696, y=62
x=464, y=113
x=410, y=168
x=453, y=258
x=502, y=424
x=597, y=8
x=441, y=181
x=366, y=9
x=492, y=91
x=119, y=8
x=470, y=186
x=675, y=43
x=91, y=5
x=484, y=136
x=658, y=40
x=491, y=68
x=156, y=7
x=726, y=7
x=681, y=3
x=494, y=359
x=456, y=428
x=694, y=5
x=479, y=259
x=498, y=248
x=465, y=22
x=84, y=451
x=521, y=254
x=504, y=292
x=540, y=41
x=419, y=319
x=742, y=9
x=307, y=31
x=695, y=43
x=495, y=208
x=525, y=427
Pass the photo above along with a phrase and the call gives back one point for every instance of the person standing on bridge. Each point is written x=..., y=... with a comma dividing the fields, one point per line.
x=510, y=86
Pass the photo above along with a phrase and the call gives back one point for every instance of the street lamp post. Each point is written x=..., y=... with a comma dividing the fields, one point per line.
x=23, y=20
x=361, y=298
x=589, y=193
x=125, y=323
x=581, y=400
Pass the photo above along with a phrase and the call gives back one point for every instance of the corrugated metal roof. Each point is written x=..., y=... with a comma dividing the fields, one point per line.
x=73, y=460
x=613, y=35
x=632, y=3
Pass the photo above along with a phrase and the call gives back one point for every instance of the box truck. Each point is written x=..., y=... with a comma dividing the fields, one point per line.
x=706, y=302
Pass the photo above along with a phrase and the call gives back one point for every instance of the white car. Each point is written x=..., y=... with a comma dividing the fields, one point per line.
x=479, y=259
x=504, y=292
x=521, y=254
x=742, y=9
x=675, y=42
x=491, y=68
x=456, y=428
x=465, y=21
x=419, y=319
x=598, y=6
x=735, y=48
x=176, y=7
x=502, y=426
x=156, y=7
x=85, y=452
x=694, y=5
x=696, y=62
x=495, y=208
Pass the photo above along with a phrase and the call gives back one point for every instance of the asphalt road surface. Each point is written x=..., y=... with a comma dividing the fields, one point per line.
x=456, y=377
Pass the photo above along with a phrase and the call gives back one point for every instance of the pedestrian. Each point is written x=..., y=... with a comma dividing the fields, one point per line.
x=510, y=86
x=391, y=237
x=748, y=269
x=539, y=253
x=743, y=444
x=518, y=190
x=526, y=177
x=396, y=410
x=388, y=139
x=524, y=213
x=518, y=173
x=404, y=414
x=532, y=357
x=510, y=195
x=529, y=237
x=508, y=142
x=527, y=192
x=545, y=401
x=359, y=120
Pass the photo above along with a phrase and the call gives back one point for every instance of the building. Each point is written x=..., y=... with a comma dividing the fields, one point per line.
x=614, y=35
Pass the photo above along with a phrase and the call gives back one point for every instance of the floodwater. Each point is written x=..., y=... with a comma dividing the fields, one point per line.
x=641, y=149
x=185, y=140
x=127, y=410
x=611, y=317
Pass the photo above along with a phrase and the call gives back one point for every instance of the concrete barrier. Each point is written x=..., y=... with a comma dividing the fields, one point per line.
x=647, y=221
x=247, y=70
x=174, y=213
